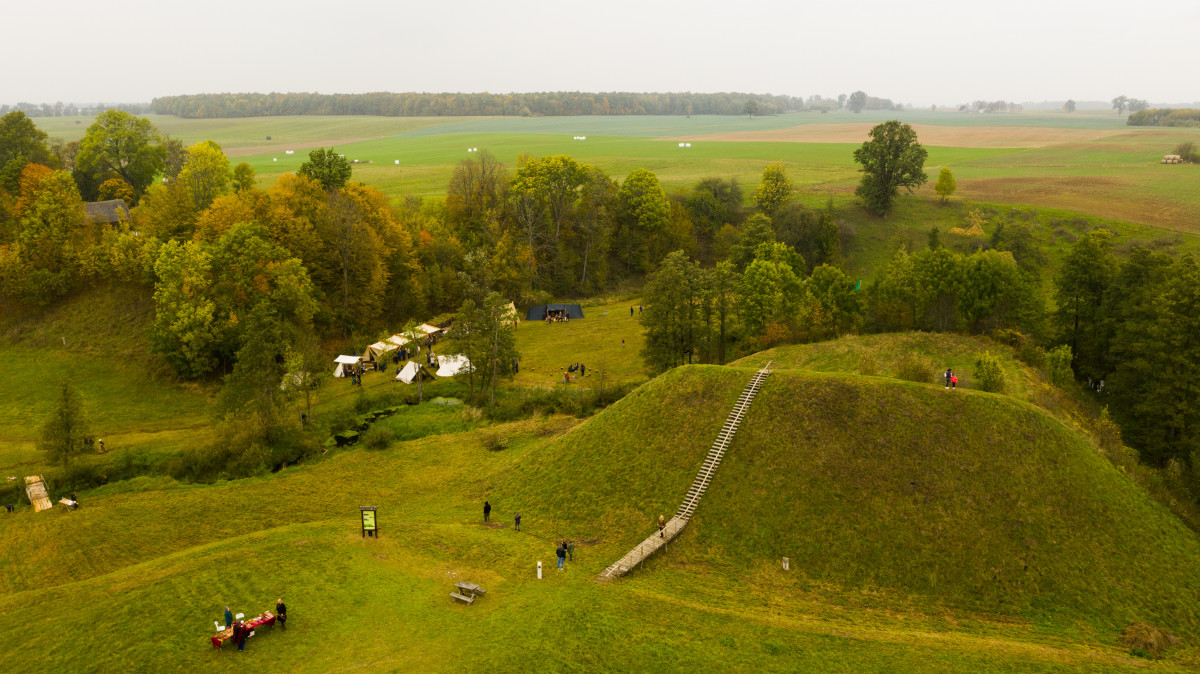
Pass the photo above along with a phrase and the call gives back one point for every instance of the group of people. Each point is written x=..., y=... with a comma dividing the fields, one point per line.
x=574, y=368
x=565, y=551
x=241, y=631
x=487, y=515
x=557, y=317
x=639, y=310
x=355, y=373
x=951, y=379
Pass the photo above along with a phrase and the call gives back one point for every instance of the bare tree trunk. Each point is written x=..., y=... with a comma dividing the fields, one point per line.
x=495, y=358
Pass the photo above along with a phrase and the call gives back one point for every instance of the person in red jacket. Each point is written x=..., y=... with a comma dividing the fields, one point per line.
x=953, y=381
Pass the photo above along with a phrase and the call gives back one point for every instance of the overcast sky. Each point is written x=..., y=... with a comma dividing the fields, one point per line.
x=915, y=52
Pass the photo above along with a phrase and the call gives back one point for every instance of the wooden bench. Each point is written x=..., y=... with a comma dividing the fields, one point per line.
x=461, y=597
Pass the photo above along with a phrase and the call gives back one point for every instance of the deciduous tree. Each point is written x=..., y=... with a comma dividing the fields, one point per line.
x=774, y=190
x=66, y=428
x=945, y=184
x=326, y=167
x=125, y=145
x=890, y=160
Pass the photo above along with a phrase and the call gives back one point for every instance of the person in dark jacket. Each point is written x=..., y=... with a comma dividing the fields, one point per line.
x=518, y=521
x=562, y=555
x=228, y=618
x=240, y=632
x=281, y=613
x=571, y=550
x=487, y=510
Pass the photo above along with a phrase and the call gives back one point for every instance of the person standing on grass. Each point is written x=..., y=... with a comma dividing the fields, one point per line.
x=571, y=550
x=228, y=618
x=954, y=382
x=239, y=635
x=281, y=613
x=562, y=555
x=517, y=519
x=582, y=369
x=631, y=312
x=662, y=524
x=487, y=510
x=947, y=377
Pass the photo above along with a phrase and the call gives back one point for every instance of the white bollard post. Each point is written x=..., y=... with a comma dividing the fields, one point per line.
x=786, y=564
x=539, y=570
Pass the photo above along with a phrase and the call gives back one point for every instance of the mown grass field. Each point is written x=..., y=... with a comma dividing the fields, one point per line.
x=982, y=566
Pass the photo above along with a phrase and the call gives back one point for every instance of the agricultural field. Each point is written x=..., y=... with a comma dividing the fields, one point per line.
x=1086, y=163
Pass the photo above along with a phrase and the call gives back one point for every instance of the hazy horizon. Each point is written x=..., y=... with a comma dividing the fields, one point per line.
x=938, y=53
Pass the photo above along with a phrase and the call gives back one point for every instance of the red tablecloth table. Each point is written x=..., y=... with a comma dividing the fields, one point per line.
x=267, y=618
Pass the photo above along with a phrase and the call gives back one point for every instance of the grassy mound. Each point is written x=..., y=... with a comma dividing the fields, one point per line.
x=886, y=353
x=899, y=492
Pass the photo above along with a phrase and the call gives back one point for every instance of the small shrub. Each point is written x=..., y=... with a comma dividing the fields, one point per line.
x=1108, y=433
x=1058, y=367
x=1049, y=398
x=868, y=365
x=494, y=442
x=989, y=374
x=910, y=368
x=1188, y=152
x=377, y=437
x=1146, y=640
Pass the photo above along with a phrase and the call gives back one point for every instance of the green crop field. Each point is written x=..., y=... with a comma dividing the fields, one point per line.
x=1098, y=167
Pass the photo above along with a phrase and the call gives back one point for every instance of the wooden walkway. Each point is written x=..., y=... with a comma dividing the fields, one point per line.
x=36, y=489
x=699, y=485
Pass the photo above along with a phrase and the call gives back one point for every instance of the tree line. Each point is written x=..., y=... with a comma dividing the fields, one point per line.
x=60, y=109
x=540, y=104
x=1165, y=117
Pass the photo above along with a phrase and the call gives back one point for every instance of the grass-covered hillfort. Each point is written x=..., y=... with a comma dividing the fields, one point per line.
x=1043, y=515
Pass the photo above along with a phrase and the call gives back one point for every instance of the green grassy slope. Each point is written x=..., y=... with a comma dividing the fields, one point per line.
x=964, y=500
x=938, y=349
x=142, y=570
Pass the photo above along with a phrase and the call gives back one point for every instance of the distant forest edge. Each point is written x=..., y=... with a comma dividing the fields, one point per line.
x=1165, y=117
x=548, y=104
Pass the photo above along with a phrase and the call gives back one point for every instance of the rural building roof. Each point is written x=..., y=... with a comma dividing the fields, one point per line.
x=113, y=210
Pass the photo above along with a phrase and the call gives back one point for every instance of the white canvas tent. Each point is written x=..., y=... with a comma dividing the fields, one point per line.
x=429, y=329
x=448, y=366
x=342, y=362
x=397, y=340
x=408, y=374
x=378, y=351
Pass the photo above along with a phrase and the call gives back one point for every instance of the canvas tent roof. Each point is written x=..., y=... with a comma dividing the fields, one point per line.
x=342, y=362
x=538, y=313
x=398, y=340
x=448, y=366
x=408, y=374
x=428, y=329
x=377, y=349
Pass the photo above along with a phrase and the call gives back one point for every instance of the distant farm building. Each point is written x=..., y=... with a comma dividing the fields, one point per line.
x=108, y=212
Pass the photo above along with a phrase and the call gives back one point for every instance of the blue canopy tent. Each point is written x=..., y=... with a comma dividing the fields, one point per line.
x=540, y=312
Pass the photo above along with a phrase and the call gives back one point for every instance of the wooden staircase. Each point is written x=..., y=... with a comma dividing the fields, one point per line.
x=35, y=488
x=699, y=485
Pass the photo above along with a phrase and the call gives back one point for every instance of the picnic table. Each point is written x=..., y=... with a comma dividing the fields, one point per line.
x=467, y=592
x=267, y=618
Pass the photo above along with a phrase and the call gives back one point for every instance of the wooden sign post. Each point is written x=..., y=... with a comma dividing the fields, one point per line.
x=369, y=523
